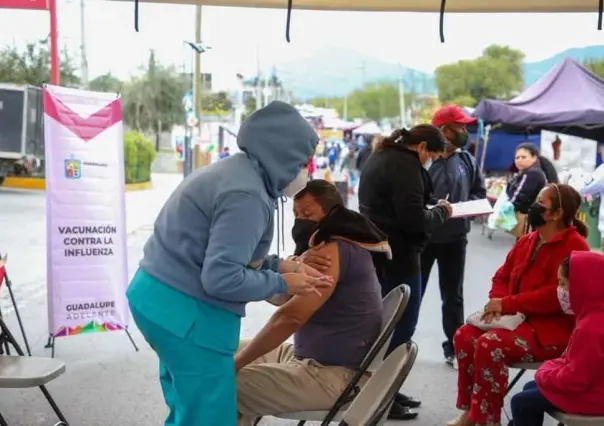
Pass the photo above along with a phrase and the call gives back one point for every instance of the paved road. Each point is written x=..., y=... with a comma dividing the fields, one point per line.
x=108, y=383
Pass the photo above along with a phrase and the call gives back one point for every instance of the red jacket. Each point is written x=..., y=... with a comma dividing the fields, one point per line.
x=529, y=286
x=574, y=383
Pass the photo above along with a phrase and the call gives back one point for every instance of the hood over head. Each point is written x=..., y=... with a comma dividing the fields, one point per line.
x=586, y=289
x=280, y=140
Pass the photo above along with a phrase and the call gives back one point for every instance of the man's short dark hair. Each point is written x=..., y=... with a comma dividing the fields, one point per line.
x=325, y=194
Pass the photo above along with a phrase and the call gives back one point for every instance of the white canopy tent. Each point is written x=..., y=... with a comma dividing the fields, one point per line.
x=462, y=6
x=369, y=128
x=440, y=6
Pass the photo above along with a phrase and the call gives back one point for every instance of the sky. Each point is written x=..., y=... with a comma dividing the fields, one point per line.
x=241, y=38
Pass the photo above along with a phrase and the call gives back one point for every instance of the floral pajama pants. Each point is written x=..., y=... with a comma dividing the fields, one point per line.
x=482, y=358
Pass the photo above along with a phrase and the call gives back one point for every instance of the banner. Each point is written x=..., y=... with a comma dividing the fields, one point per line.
x=24, y=4
x=87, y=268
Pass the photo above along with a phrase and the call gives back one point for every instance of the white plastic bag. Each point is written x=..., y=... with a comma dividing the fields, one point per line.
x=503, y=216
x=506, y=322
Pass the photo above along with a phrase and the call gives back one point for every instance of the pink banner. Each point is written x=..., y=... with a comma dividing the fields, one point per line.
x=87, y=268
x=24, y=4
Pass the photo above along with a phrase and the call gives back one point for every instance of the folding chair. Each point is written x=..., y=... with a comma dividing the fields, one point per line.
x=393, y=306
x=576, y=420
x=27, y=372
x=523, y=366
x=372, y=404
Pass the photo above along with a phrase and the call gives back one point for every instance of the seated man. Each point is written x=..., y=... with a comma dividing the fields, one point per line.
x=332, y=331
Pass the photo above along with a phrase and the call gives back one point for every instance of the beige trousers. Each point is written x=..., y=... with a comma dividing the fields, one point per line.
x=279, y=383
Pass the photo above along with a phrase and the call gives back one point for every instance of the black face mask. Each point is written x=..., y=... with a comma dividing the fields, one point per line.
x=461, y=138
x=301, y=233
x=535, y=216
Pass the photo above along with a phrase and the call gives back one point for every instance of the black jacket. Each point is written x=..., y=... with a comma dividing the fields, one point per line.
x=363, y=156
x=459, y=177
x=394, y=190
x=523, y=188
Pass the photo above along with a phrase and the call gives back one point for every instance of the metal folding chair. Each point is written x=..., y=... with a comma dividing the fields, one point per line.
x=23, y=371
x=372, y=404
x=394, y=305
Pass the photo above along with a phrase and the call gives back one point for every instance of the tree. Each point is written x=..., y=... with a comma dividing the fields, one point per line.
x=216, y=103
x=497, y=74
x=596, y=66
x=106, y=83
x=374, y=101
x=31, y=65
x=152, y=102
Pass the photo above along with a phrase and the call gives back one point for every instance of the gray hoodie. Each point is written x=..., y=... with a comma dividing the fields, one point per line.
x=211, y=238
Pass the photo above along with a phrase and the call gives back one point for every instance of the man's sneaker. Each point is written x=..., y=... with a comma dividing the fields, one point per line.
x=406, y=401
x=452, y=361
x=399, y=412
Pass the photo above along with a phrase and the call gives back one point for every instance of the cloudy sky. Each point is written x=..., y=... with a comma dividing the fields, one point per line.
x=237, y=35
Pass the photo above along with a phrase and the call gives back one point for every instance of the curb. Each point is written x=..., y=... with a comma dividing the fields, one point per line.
x=39, y=184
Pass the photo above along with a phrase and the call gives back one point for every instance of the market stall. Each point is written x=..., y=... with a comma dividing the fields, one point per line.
x=568, y=100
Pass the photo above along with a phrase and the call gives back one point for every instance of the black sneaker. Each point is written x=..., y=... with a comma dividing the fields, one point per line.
x=449, y=354
x=399, y=412
x=406, y=401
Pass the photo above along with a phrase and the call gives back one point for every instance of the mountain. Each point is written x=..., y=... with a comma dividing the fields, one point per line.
x=336, y=72
x=533, y=71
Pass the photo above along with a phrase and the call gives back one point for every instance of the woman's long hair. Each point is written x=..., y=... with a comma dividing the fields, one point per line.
x=428, y=133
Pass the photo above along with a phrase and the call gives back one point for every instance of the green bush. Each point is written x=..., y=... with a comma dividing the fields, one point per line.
x=139, y=153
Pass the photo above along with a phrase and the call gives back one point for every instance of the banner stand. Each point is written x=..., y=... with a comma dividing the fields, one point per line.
x=50, y=344
x=9, y=284
x=87, y=265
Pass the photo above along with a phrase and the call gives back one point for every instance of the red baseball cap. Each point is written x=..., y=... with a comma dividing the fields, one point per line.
x=451, y=114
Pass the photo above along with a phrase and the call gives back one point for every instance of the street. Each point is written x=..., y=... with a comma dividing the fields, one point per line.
x=108, y=383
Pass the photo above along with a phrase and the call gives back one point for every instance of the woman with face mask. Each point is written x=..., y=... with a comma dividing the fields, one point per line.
x=573, y=383
x=207, y=257
x=394, y=193
x=527, y=284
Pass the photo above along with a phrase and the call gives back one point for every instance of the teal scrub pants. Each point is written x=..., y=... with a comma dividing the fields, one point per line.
x=196, y=344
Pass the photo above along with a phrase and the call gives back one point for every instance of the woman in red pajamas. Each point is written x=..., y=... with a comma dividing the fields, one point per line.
x=527, y=283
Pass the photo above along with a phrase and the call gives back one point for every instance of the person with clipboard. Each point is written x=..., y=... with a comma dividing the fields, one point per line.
x=394, y=193
x=456, y=178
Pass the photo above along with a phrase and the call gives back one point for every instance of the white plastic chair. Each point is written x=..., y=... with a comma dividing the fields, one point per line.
x=393, y=307
x=372, y=404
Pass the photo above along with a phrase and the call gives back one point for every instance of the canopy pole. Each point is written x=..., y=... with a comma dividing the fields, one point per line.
x=55, y=73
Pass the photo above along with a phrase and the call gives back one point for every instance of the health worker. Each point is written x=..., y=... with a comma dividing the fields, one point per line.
x=207, y=257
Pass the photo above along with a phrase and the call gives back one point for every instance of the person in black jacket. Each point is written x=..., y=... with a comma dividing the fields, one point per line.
x=363, y=155
x=394, y=192
x=524, y=187
x=456, y=177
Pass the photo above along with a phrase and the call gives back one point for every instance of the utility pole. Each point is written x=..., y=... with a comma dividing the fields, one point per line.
x=346, y=107
x=83, y=59
x=258, y=77
x=401, y=97
x=197, y=77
